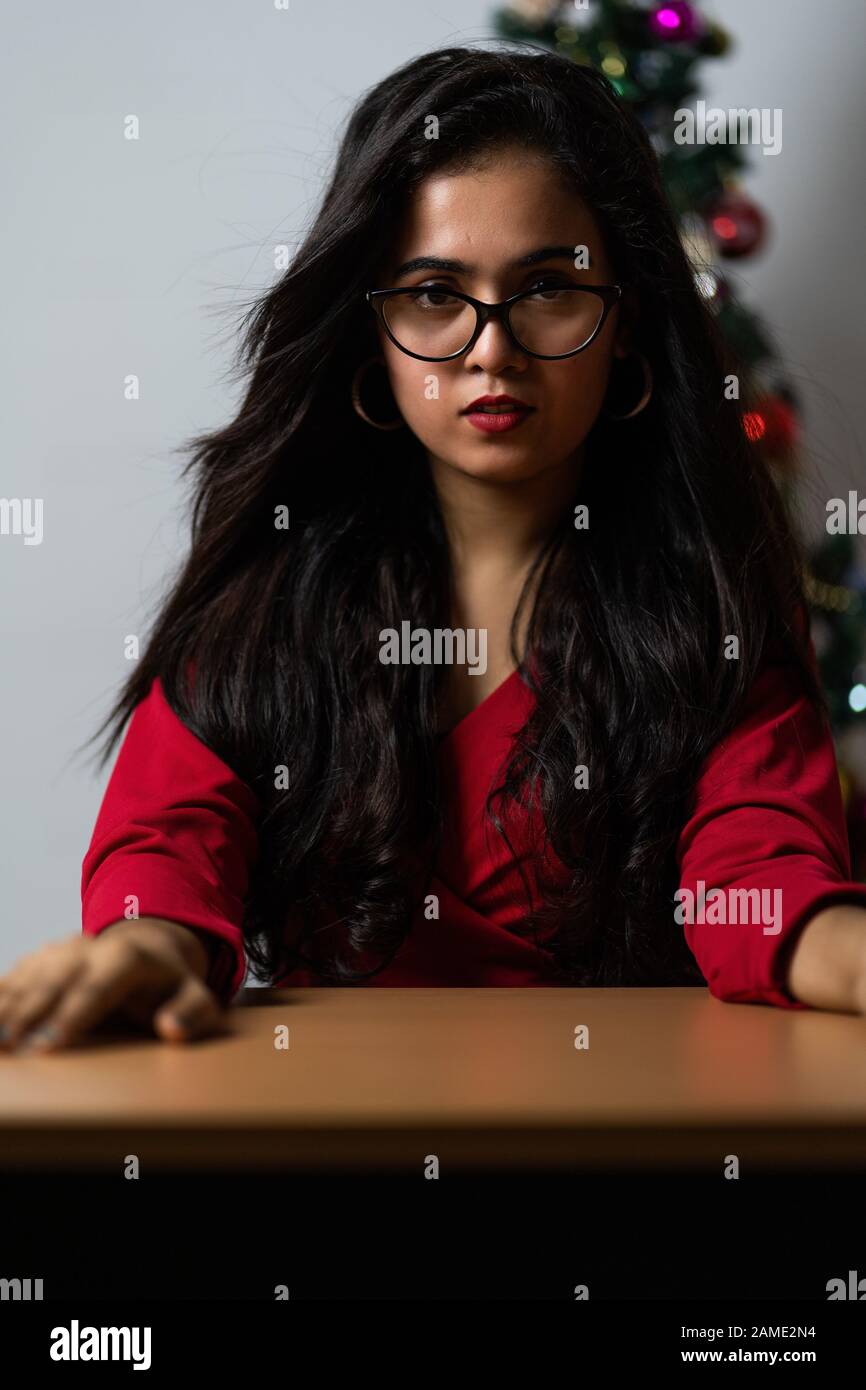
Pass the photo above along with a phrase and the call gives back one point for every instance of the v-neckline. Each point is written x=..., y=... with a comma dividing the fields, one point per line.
x=483, y=705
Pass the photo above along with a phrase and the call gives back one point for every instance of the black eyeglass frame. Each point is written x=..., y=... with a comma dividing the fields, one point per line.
x=610, y=295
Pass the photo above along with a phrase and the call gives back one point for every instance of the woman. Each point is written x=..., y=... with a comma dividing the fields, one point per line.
x=489, y=663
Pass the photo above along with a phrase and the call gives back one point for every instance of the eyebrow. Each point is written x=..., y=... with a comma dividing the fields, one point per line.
x=544, y=253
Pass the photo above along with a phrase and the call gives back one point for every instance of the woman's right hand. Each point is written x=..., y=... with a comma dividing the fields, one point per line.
x=151, y=972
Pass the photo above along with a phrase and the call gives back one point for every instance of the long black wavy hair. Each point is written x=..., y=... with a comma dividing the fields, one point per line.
x=689, y=541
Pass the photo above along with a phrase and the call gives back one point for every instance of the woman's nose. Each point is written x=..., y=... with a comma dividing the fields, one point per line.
x=495, y=350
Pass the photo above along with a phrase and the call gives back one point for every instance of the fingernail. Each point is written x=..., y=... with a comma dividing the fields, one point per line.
x=38, y=1038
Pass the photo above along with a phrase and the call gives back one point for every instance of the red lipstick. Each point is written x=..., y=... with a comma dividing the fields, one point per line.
x=496, y=414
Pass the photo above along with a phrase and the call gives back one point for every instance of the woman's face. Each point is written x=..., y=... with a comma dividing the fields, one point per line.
x=483, y=223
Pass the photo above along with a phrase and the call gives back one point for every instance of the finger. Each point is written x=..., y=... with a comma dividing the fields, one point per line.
x=58, y=961
x=33, y=963
x=100, y=988
x=16, y=991
x=30, y=1006
x=192, y=1012
x=16, y=979
x=8, y=999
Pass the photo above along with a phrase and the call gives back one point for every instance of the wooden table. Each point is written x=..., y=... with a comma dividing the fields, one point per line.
x=377, y=1079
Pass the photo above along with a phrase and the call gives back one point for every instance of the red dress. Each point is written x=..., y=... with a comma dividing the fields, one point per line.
x=177, y=829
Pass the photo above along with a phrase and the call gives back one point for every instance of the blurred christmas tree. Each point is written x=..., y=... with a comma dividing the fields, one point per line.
x=650, y=53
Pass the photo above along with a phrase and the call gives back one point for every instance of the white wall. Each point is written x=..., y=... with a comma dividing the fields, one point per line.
x=808, y=283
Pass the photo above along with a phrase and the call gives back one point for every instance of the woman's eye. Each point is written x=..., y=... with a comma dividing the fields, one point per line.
x=548, y=287
x=433, y=297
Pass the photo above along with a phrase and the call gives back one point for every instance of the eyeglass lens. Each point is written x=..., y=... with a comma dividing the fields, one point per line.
x=433, y=323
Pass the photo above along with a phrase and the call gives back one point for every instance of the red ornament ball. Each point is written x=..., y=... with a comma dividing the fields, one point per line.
x=737, y=227
x=772, y=425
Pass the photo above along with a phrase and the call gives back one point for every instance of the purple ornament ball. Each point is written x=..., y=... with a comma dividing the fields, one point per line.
x=675, y=22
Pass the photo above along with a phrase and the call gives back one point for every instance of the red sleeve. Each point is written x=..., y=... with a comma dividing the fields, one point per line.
x=176, y=828
x=768, y=815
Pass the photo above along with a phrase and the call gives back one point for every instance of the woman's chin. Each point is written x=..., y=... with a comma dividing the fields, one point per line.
x=503, y=463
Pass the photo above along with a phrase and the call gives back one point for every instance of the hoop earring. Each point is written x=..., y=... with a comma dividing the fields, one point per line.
x=645, y=396
x=356, y=397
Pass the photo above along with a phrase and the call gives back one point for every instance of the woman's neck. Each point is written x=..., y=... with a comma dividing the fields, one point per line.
x=495, y=533
x=499, y=528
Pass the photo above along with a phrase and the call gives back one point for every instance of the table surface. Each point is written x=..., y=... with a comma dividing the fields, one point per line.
x=379, y=1079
